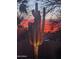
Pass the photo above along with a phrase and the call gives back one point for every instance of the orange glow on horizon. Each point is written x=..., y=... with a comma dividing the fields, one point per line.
x=49, y=27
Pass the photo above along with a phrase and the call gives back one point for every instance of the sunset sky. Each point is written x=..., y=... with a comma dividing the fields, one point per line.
x=54, y=14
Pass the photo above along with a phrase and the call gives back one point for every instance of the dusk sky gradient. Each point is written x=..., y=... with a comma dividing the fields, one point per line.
x=54, y=14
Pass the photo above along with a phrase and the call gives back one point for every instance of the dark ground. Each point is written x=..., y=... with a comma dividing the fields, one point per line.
x=50, y=49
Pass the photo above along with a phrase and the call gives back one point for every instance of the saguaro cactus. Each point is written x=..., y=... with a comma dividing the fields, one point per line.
x=37, y=38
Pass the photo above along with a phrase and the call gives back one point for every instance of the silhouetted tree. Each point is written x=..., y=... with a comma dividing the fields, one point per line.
x=52, y=4
x=23, y=6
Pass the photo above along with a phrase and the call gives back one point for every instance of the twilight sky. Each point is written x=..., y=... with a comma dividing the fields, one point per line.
x=53, y=14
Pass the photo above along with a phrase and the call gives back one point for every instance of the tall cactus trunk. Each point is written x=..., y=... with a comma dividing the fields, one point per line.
x=43, y=25
x=43, y=22
x=37, y=34
x=36, y=52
